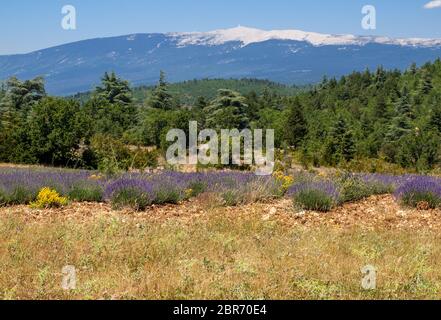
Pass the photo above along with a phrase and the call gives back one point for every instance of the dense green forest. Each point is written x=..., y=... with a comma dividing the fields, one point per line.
x=188, y=92
x=380, y=115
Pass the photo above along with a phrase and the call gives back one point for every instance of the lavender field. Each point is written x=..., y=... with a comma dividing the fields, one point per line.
x=21, y=186
x=242, y=241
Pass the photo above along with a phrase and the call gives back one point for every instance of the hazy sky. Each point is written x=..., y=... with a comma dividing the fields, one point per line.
x=28, y=25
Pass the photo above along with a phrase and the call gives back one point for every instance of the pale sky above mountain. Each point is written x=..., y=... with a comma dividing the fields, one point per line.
x=28, y=25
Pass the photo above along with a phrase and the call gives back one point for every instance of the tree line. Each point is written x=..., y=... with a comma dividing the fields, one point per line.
x=389, y=115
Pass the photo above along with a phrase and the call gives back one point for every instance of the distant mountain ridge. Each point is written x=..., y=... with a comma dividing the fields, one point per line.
x=250, y=35
x=286, y=56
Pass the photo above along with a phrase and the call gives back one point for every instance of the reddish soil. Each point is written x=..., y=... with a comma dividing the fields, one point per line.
x=372, y=213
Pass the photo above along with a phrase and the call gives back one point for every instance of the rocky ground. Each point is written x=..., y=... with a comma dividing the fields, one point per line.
x=371, y=213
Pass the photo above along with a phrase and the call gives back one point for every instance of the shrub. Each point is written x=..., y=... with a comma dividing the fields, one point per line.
x=196, y=188
x=373, y=166
x=48, y=198
x=285, y=181
x=315, y=200
x=169, y=194
x=86, y=193
x=420, y=190
x=21, y=195
x=354, y=188
x=131, y=198
x=3, y=198
x=231, y=198
x=421, y=199
x=137, y=194
x=113, y=156
x=317, y=196
x=142, y=159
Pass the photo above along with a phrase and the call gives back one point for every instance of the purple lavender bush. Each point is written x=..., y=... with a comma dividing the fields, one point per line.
x=355, y=187
x=134, y=193
x=21, y=186
x=420, y=189
x=315, y=195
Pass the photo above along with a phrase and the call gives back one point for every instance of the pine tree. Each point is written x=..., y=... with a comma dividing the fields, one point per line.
x=296, y=126
x=341, y=144
x=18, y=99
x=435, y=119
x=227, y=111
x=201, y=103
x=380, y=108
x=402, y=122
x=161, y=97
x=380, y=77
x=426, y=82
x=114, y=90
x=413, y=68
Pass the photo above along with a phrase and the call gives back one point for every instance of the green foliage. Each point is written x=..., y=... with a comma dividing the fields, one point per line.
x=113, y=155
x=340, y=146
x=54, y=131
x=86, y=193
x=353, y=189
x=311, y=199
x=373, y=166
x=161, y=97
x=227, y=111
x=21, y=195
x=168, y=194
x=114, y=90
x=196, y=188
x=130, y=198
x=230, y=198
x=296, y=125
x=189, y=92
x=415, y=199
x=48, y=198
x=362, y=119
x=3, y=198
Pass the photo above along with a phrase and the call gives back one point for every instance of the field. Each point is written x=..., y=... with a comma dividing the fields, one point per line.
x=211, y=243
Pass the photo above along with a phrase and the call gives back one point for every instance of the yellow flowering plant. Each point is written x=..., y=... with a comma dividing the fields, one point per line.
x=285, y=181
x=48, y=198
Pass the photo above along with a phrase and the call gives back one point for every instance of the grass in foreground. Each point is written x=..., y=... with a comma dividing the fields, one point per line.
x=119, y=257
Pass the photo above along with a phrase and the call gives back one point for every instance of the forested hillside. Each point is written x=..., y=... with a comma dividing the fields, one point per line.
x=389, y=115
x=188, y=92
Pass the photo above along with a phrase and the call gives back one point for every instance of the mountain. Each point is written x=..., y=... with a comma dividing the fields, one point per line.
x=286, y=56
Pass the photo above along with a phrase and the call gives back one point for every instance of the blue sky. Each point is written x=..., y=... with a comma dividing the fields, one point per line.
x=28, y=25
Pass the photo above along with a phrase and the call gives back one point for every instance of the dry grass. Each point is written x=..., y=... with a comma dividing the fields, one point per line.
x=195, y=251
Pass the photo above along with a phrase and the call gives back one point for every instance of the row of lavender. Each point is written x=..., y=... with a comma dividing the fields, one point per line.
x=22, y=186
x=324, y=193
x=309, y=191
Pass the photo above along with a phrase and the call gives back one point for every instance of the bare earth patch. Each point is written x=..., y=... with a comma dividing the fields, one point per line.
x=372, y=213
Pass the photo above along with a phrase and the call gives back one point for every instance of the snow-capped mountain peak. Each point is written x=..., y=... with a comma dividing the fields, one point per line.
x=292, y=57
x=248, y=36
